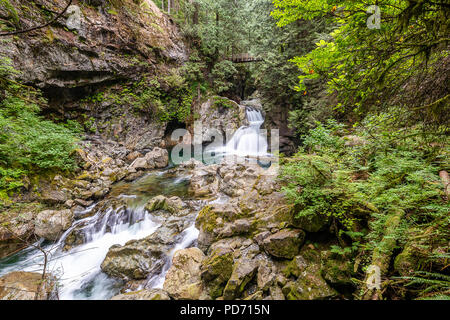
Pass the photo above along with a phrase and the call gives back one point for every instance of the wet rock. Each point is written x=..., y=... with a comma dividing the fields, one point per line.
x=172, y=205
x=27, y=286
x=183, y=280
x=285, y=243
x=243, y=272
x=138, y=259
x=51, y=224
x=153, y=294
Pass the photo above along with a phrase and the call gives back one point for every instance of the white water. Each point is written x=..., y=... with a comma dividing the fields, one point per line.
x=78, y=270
x=247, y=140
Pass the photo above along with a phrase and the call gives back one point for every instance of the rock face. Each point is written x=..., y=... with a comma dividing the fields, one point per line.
x=220, y=115
x=26, y=286
x=183, y=281
x=51, y=224
x=87, y=45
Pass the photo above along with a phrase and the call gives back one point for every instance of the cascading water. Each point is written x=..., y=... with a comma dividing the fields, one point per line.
x=247, y=140
x=78, y=269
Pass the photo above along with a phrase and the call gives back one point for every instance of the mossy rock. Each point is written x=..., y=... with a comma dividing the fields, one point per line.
x=216, y=271
x=285, y=243
x=406, y=262
x=337, y=270
x=311, y=223
x=172, y=205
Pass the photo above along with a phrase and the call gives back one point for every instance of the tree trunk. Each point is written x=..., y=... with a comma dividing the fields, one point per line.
x=196, y=13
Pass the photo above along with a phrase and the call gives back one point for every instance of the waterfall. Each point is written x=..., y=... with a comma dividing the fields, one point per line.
x=78, y=269
x=248, y=140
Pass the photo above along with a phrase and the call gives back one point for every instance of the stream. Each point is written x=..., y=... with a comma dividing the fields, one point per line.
x=105, y=224
x=78, y=269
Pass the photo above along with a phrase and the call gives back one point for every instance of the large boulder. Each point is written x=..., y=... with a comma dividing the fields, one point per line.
x=157, y=158
x=51, y=224
x=53, y=197
x=243, y=272
x=311, y=223
x=138, y=259
x=15, y=232
x=153, y=294
x=305, y=279
x=172, y=205
x=216, y=270
x=183, y=280
x=27, y=286
x=285, y=243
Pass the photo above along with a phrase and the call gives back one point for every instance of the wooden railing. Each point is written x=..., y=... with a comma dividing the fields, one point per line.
x=243, y=58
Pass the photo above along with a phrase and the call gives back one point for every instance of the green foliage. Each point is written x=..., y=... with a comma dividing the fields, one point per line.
x=28, y=143
x=223, y=74
x=362, y=179
x=366, y=67
x=164, y=98
x=5, y=4
x=428, y=283
x=222, y=103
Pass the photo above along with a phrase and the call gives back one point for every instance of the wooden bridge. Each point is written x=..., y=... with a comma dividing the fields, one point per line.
x=243, y=58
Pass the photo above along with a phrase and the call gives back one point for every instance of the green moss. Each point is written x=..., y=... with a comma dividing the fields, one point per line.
x=207, y=219
x=13, y=15
x=220, y=102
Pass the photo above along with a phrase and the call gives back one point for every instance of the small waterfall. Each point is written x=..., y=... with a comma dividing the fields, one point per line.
x=78, y=269
x=248, y=140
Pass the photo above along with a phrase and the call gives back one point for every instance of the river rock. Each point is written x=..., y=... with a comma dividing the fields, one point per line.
x=138, y=259
x=157, y=158
x=172, y=205
x=153, y=294
x=27, y=286
x=51, y=224
x=183, y=280
x=285, y=243
x=139, y=164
